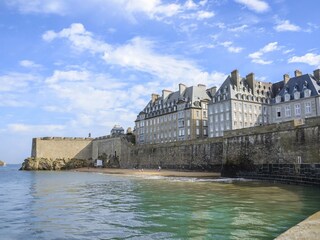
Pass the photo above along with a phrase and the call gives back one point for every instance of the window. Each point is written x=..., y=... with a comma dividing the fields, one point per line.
x=227, y=117
x=278, y=112
x=188, y=122
x=221, y=107
x=288, y=111
x=307, y=107
x=286, y=97
x=227, y=107
x=307, y=93
x=297, y=109
x=221, y=117
x=198, y=131
x=197, y=123
x=198, y=114
x=205, y=132
x=188, y=131
x=205, y=123
x=205, y=114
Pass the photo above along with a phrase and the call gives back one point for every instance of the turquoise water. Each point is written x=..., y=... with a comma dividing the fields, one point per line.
x=70, y=205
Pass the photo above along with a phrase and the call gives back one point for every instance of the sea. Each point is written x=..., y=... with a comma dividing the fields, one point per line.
x=79, y=205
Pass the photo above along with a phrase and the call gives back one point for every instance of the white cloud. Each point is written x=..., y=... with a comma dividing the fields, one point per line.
x=17, y=82
x=80, y=38
x=287, y=26
x=29, y=64
x=35, y=129
x=256, y=57
x=189, y=4
x=155, y=9
x=288, y=51
x=130, y=9
x=258, y=6
x=138, y=54
x=39, y=6
x=204, y=15
x=309, y=58
x=71, y=75
x=229, y=46
x=241, y=28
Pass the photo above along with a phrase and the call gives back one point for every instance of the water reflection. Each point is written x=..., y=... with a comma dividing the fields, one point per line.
x=67, y=205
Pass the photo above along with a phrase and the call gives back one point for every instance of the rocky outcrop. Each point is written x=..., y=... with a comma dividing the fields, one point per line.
x=2, y=163
x=54, y=164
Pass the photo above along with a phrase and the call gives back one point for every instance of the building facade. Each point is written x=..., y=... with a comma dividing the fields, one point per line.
x=239, y=103
x=174, y=116
x=298, y=98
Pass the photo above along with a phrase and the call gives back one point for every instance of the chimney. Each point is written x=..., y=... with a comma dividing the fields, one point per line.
x=202, y=86
x=212, y=91
x=235, y=77
x=297, y=73
x=286, y=78
x=251, y=82
x=154, y=97
x=182, y=88
x=165, y=94
x=316, y=74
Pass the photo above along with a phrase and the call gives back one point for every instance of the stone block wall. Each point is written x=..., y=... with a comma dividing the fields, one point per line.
x=62, y=148
x=281, y=152
x=187, y=155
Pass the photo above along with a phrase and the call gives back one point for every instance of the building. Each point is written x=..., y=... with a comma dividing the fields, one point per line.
x=117, y=130
x=174, y=116
x=239, y=103
x=298, y=98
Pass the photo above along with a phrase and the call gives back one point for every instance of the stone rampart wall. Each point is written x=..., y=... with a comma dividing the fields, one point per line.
x=281, y=152
x=187, y=155
x=62, y=148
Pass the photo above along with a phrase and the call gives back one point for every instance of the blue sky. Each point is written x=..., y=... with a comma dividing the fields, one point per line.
x=72, y=67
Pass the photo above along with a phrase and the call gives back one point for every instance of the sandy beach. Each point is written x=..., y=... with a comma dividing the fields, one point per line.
x=151, y=172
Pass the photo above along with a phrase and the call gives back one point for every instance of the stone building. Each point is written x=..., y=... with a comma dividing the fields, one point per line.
x=239, y=103
x=174, y=116
x=117, y=130
x=296, y=97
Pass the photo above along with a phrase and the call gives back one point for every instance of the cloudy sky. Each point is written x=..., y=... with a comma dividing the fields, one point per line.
x=71, y=67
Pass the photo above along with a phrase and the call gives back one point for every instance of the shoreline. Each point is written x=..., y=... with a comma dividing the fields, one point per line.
x=150, y=172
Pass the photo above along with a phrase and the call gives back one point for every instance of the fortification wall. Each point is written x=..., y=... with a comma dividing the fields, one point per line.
x=281, y=152
x=188, y=155
x=62, y=148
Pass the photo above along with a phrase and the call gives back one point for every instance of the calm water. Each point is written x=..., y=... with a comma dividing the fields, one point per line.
x=69, y=205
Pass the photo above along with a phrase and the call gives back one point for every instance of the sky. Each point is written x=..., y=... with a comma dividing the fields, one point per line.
x=70, y=68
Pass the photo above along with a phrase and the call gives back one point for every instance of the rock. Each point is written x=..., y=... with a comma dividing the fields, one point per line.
x=2, y=163
x=31, y=164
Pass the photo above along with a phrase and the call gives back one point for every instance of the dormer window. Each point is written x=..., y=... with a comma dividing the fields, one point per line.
x=307, y=93
x=287, y=97
x=278, y=99
x=296, y=95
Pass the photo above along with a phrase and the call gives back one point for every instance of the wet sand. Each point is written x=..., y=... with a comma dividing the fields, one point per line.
x=151, y=172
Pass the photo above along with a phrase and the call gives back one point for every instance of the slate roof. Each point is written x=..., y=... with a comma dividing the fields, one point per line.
x=301, y=83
